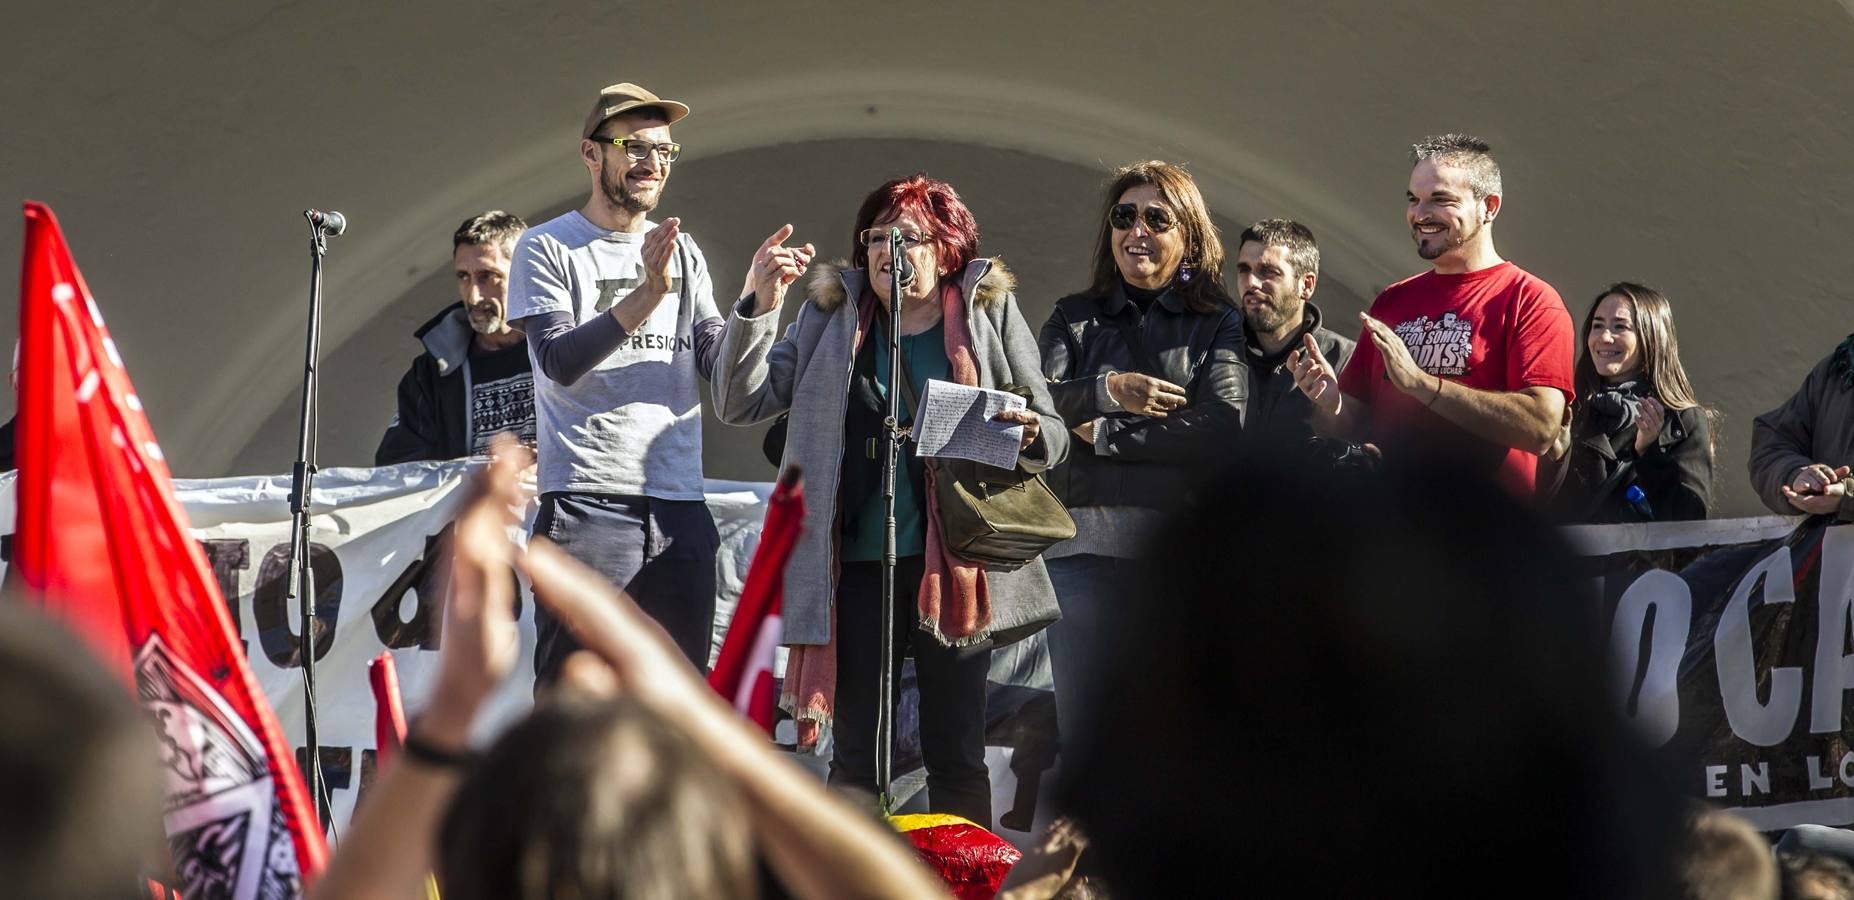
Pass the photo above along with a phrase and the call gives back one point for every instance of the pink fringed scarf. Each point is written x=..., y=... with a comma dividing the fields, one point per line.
x=953, y=602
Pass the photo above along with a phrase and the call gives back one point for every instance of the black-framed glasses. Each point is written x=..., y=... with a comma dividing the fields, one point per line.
x=870, y=238
x=640, y=150
x=1158, y=219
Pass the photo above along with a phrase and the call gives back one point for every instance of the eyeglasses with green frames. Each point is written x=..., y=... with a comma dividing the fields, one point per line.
x=640, y=150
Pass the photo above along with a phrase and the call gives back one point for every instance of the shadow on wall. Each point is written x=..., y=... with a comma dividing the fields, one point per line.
x=1036, y=213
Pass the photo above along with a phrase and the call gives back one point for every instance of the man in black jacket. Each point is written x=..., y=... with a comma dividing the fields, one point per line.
x=474, y=378
x=1277, y=270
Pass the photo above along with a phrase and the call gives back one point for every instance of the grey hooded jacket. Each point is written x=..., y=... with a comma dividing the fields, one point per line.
x=760, y=375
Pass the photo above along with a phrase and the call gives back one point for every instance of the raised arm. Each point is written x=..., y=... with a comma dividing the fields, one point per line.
x=565, y=352
x=1336, y=414
x=817, y=843
x=1526, y=419
x=541, y=304
x=755, y=372
x=391, y=843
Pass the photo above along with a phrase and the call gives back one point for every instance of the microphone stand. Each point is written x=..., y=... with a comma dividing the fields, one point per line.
x=300, y=588
x=885, y=693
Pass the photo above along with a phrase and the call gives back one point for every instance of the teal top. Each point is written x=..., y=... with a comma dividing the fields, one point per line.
x=924, y=357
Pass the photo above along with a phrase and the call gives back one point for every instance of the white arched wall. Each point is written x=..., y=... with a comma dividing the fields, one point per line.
x=1689, y=146
x=1362, y=250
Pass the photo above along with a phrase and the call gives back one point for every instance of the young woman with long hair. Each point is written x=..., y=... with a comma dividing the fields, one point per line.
x=1636, y=424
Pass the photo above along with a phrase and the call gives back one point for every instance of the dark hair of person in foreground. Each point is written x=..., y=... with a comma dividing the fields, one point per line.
x=82, y=808
x=1384, y=685
x=594, y=797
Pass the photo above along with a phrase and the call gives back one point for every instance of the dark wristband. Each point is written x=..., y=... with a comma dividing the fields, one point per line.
x=422, y=751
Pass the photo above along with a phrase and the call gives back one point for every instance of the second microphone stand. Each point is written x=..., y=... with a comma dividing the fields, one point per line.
x=300, y=588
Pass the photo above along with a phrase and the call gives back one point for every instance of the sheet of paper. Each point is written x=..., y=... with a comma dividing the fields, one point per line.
x=955, y=421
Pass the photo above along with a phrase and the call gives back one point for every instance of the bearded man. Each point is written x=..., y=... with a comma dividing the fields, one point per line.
x=474, y=379
x=1471, y=360
x=621, y=320
x=1277, y=271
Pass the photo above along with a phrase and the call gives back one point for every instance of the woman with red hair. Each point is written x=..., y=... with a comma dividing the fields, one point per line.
x=959, y=323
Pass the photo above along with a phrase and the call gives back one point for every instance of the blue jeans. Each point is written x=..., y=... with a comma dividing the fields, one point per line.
x=1087, y=587
x=662, y=552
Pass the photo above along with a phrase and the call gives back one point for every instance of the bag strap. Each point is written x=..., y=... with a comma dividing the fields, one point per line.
x=907, y=377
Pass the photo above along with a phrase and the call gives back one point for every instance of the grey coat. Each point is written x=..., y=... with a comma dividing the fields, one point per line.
x=1816, y=425
x=760, y=375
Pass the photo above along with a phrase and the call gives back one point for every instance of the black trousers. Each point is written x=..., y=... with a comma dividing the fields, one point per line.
x=662, y=552
x=952, y=689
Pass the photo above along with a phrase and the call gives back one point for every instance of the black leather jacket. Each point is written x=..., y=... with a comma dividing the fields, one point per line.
x=1137, y=460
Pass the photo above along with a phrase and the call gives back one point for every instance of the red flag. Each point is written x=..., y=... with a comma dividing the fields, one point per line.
x=743, y=672
x=389, y=712
x=104, y=546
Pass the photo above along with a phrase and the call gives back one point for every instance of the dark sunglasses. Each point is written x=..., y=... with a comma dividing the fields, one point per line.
x=1158, y=219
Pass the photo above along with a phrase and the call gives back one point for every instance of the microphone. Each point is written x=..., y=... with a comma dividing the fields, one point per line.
x=331, y=223
x=899, y=257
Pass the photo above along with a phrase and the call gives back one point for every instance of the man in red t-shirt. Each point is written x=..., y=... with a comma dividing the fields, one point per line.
x=1471, y=359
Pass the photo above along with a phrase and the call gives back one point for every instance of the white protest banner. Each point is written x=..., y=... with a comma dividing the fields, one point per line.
x=375, y=578
x=1724, y=634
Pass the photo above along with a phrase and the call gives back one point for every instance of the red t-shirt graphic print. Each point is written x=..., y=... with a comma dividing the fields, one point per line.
x=1497, y=329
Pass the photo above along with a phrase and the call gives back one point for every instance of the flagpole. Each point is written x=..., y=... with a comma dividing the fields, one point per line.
x=300, y=588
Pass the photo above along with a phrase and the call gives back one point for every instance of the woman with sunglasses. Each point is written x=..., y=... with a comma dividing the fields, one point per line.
x=1640, y=445
x=960, y=323
x=1147, y=367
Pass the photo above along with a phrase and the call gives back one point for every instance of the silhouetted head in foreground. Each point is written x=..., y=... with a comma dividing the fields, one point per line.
x=591, y=797
x=78, y=770
x=1394, y=688
x=1724, y=858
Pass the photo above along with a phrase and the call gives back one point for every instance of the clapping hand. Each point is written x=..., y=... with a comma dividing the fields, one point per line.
x=1314, y=376
x=1399, y=365
x=1817, y=489
x=659, y=254
x=1649, y=415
